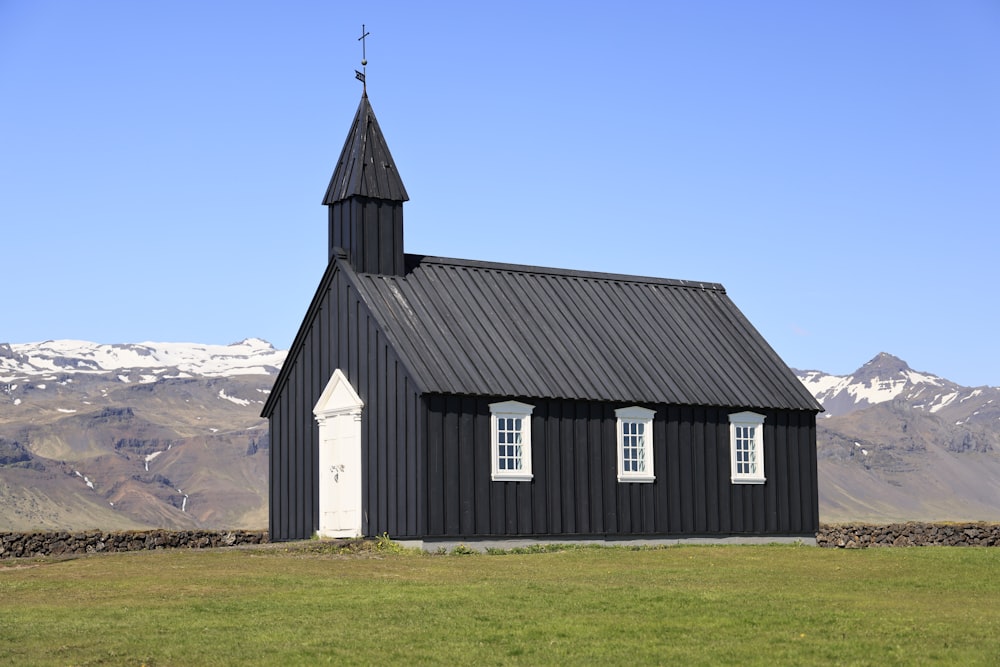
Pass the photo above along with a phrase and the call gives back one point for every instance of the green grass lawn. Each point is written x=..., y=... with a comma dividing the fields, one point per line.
x=691, y=605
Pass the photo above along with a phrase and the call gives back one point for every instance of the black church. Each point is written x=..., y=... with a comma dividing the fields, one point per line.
x=449, y=399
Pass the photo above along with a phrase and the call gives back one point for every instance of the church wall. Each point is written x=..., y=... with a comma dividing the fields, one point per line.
x=575, y=490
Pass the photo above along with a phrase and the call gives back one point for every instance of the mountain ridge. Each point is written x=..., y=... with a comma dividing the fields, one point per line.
x=251, y=356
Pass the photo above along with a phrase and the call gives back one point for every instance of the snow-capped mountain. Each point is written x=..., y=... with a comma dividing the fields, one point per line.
x=887, y=378
x=141, y=362
x=135, y=435
x=897, y=444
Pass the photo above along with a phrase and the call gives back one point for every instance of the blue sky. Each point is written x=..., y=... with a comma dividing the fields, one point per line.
x=834, y=164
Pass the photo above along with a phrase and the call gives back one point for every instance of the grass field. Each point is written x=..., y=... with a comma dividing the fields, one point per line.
x=692, y=605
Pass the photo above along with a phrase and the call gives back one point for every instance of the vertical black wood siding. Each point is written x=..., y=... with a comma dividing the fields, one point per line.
x=575, y=490
x=371, y=231
x=342, y=334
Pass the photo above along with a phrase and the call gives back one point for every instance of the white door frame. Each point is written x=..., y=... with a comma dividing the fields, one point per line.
x=338, y=412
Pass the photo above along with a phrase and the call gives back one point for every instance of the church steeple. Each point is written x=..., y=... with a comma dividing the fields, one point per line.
x=365, y=199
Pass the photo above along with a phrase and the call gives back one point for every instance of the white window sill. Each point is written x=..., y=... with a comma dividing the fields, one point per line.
x=641, y=479
x=747, y=480
x=512, y=477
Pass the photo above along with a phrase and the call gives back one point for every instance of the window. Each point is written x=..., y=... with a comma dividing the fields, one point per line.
x=746, y=444
x=510, y=441
x=635, y=444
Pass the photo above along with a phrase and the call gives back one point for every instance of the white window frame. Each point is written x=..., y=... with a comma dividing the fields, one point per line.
x=644, y=418
x=517, y=411
x=737, y=422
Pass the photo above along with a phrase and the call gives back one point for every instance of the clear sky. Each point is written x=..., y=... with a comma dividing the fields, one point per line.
x=835, y=164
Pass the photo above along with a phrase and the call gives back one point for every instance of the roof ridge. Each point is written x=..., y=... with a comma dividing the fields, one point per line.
x=415, y=260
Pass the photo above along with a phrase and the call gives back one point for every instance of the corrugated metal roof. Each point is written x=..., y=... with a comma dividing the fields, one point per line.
x=482, y=328
x=365, y=166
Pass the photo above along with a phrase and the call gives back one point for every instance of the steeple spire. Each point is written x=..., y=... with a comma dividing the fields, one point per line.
x=365, y=196
x=365, y=167
x=365, y=199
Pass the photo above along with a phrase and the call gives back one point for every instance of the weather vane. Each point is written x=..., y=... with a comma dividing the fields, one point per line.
x=360, y=76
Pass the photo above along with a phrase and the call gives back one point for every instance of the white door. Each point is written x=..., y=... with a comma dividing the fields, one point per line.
x=339, y=415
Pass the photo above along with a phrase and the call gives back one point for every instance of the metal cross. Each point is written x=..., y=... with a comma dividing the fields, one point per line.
x=360, y=76
x=364, y=57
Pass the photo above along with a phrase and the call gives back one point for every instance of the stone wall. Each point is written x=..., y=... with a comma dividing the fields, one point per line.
x=860, y=535
x=58, y=543
x=845, y=536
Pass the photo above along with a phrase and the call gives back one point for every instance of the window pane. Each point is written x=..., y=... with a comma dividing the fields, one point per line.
x=509, y=439
x=745, y=450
